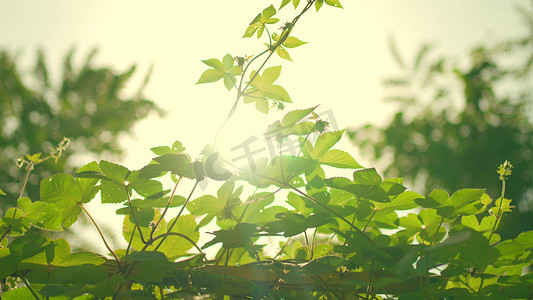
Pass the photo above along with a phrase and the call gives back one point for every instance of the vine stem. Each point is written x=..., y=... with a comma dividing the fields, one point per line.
x=154, y=228
x=169, y=229
x=499, y=215
x=436, y=232
x=102, y=236
x=8, y=229
x=28, y=285
x=369, y=286
x=337, y=215
x=134, y=217
x=272, y=49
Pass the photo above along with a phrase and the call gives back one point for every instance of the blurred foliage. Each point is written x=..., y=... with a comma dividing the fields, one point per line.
x=455, y=123
x=87, y=104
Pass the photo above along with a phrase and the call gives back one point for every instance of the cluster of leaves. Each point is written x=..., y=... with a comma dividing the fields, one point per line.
x=455, y=124
x=87, y=104
x=353, y=237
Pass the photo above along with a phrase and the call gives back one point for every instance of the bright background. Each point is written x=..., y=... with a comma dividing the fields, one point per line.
x=340, y=68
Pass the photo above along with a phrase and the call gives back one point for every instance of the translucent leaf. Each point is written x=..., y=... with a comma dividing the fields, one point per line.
x=262, y=106
x=292, y=42
x=339, y=159
x=60, y=188
x=229, y=81
x=271, y=74
x=175, y=246
x=161, y=150
x=324, y=142
x=283, y=53
x=318, y=4
x=88, y=185
x=334, y=3
x=283, y=3
x=114, y=171
x=211, y=75
x=367, y=177
x=295, y=3
x=295, y=116
x=403, y=201
x=227, y=61
x=214, y=63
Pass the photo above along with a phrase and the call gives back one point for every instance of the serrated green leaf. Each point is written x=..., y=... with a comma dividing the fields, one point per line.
x=114, y=171
x=229, y=81
x=214, y=63
x=161, y=150
x=292, y=42
x=269, y=76
x=88, y=185
x=293, y=117
x=339, y=159
x=403, y=201
x=211, y=75
x=2, y=193
x=324, y=142
x=175, y=246
x=367, y=176
x=283, y=53
x=62, y=189
x=227, y=61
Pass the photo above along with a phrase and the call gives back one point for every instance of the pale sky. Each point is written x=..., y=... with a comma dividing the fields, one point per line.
x=340, y=67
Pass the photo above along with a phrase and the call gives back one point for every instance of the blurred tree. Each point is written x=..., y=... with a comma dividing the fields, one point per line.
x=456, y=124
x=87, y=105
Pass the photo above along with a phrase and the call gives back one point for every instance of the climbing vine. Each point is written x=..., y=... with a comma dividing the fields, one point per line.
x=355, y=237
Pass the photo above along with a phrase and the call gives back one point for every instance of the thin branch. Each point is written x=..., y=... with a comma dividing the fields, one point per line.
x=102, y=236
x=28, y=285
x=169, y=229
x=133, y=215
x=166, y=208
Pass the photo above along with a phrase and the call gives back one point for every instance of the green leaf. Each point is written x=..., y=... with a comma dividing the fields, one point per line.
x=175, y=246
x=257, y=25
x=235, y=238
x=367, y=177
x=211, y=75
x=292, y=42
x=339, y=159
x=214, y=63
x=403, y=201
x=262, y=89
x=324, y=142
x=2, y=193
x=61, y=188
x=151, y=266
x=88, y=185
x=334, y=3
x=283, y=53
x=283, y=3
x=318, y=4
x=21, y=293
x=323, y=265
x=114, y=171
x=293, y=117
x=178, y=164
x=476, y=251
